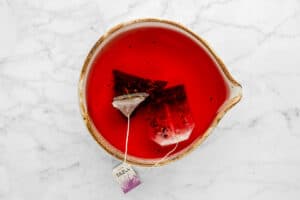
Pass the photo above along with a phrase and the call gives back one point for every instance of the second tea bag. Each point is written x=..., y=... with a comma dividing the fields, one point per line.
x=170, y=120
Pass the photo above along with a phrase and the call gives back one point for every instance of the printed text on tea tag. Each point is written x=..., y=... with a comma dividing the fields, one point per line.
x=126, y=177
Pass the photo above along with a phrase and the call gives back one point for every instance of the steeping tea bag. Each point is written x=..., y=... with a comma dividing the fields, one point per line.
x=123, y=173
x=170, y=117
x=130, y=92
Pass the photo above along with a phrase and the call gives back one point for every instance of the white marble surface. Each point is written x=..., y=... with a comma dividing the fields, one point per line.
x=46, y=152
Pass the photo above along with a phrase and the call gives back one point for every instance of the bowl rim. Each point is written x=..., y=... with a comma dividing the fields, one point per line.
x=152, y=162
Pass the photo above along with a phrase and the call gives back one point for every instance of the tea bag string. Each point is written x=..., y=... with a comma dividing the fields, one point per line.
x=166, y=156
x=127, y=136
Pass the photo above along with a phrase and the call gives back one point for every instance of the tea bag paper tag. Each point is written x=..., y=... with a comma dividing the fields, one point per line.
x=126, y=177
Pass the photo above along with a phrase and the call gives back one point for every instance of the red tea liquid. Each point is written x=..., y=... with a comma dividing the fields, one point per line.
x=155, y=53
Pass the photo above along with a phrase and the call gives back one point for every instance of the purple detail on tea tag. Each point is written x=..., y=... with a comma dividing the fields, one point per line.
x=126, y=177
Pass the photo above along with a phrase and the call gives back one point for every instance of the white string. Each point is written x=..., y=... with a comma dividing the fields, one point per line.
x=127, y=135
x=163, y=158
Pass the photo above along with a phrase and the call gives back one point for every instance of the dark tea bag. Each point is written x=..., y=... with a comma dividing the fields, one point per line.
x=127, y=84
x=130, y=92
x=170, y=117
x=124, y=173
